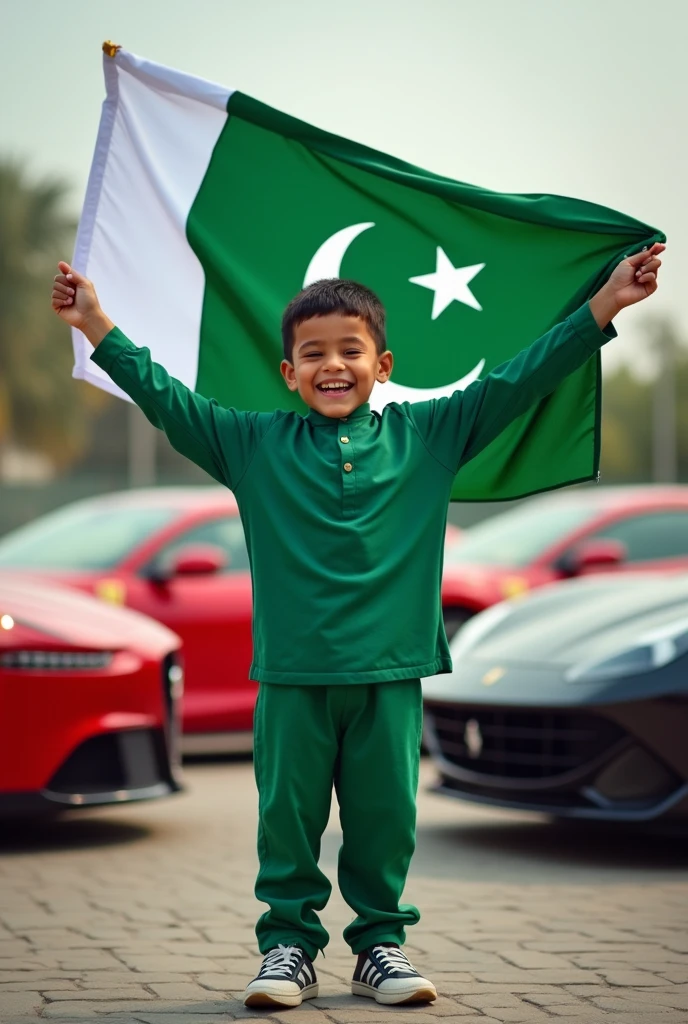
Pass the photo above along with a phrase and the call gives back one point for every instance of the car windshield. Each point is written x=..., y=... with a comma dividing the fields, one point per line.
x=84, y=536
x=518, y=536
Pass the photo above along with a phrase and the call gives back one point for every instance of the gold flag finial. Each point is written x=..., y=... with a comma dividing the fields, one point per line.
x=110, y=48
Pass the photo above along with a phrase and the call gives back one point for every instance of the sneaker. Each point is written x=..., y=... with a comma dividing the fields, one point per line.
x=385, y=974
x=286, y=978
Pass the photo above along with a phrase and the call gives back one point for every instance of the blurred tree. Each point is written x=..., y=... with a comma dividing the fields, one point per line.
x=632, y=411
x=41, y=409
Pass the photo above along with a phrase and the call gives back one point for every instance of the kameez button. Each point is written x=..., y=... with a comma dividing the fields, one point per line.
x=344, y=440
x=347, y=467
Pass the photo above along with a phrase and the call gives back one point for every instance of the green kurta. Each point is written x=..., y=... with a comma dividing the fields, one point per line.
x=344, y=518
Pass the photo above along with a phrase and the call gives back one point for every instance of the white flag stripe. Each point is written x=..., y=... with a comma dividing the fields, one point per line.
x=157, y=134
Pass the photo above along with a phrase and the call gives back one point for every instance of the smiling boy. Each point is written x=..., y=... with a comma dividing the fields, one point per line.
x=344, y=513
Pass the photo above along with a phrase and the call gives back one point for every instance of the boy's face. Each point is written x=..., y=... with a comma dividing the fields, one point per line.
x=335, y=364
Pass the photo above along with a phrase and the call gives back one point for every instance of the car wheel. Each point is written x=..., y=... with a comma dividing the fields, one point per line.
x=454, y=618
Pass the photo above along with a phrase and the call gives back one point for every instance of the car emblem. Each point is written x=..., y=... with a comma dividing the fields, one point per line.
x=473, y=738
x=493, y=676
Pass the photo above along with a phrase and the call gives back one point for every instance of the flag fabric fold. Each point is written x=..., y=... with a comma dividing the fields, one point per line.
x=206, y=211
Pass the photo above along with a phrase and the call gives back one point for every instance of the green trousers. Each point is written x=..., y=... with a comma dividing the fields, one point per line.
x=364, y=740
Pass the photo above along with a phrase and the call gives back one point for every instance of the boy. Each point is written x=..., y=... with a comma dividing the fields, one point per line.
x=344, y=514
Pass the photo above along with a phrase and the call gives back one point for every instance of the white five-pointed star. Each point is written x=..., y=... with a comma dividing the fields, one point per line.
x=449, y=283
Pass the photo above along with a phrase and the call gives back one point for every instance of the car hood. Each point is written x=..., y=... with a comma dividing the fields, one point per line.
x=78, y=619
x=564, y=623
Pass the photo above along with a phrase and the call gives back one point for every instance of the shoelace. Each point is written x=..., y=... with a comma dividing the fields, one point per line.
x=281, y=960
x=393, y=959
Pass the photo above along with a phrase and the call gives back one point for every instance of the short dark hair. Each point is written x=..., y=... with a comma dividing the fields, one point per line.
x=334, y=295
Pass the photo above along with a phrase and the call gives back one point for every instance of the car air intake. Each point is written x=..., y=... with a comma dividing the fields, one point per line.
x=635, y=776
x=517, y=744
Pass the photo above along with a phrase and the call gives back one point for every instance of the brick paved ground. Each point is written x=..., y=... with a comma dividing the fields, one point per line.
x=145, y=915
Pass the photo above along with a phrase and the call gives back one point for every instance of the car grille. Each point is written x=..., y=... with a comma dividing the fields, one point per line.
x=518, y=744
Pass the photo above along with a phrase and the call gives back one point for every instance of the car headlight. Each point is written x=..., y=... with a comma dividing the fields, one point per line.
x=652, y=650
x=175, y=676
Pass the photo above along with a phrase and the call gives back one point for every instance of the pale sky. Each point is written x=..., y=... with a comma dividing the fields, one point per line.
x=587, y=98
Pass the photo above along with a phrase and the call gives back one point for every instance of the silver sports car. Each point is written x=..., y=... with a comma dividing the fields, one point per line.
x=572, y=701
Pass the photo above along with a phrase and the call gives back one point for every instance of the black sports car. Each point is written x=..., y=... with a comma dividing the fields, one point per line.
x=572, y=701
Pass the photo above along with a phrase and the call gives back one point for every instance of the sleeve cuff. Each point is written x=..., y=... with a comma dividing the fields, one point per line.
x=110, y=348
x=585, y=326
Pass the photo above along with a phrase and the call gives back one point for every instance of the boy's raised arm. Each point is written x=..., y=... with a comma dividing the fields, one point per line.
x=456, y=429
x=220, y=441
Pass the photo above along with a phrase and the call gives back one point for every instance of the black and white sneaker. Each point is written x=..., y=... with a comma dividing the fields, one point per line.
x=385, y=974
x=286, y=978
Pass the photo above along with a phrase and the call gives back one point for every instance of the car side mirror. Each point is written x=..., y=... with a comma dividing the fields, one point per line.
x=198, y=560
x=191, y=560
x=592, y=556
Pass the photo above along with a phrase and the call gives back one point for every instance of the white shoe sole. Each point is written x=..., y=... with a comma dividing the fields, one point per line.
x=277, y=993
x=417, y=991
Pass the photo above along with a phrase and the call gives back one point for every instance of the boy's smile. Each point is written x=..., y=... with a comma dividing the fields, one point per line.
x=335, y=364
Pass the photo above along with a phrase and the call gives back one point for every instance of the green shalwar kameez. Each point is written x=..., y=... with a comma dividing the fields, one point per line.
x=344, y=522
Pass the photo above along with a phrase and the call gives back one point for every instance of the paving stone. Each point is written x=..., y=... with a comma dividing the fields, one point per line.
x=179, y=990
x=132, y=992
x=493, y=999
x=19, y=1002
x=383, y=1014
x=165, y=1017
x=225, y=950
x=308, y=1014
x=444, y=1006
x=36, y=986
x=545, y=976
x=125, y=977
x=86, y=960
x=568, y=1010
x=90, y=1010
x=225, y=982
x=10, y=948
x=677, y=975
x=169, y=963
x=517, y=1014
x=24, y=963
x=134, y=1010
x=440, y=976
x=631, y=979
x=626, y=1006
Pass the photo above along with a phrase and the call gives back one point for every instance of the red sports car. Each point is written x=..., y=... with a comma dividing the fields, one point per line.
x=87, y=701
x=179, y=556
x=563, y=534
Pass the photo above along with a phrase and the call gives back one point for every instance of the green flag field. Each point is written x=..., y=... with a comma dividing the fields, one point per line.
x=206, y=211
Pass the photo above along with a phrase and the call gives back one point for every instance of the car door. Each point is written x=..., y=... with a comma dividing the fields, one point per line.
x=212, y=615
x=654, y=539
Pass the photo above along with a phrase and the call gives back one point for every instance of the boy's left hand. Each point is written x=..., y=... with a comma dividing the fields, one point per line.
x=633, y=280
x=636, y=277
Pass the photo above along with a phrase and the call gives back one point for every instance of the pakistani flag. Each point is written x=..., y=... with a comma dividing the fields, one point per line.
x=206, y=211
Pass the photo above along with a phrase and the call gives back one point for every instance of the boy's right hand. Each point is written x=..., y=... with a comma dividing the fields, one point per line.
x=75, y=301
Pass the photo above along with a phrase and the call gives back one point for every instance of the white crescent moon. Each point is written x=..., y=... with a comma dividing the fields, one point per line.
x=328, y=258
x=388, y=392
x=327, y=262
